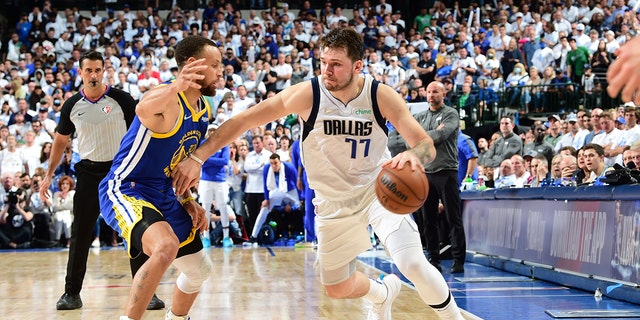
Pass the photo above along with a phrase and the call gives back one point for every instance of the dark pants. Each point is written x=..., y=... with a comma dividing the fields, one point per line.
x=443, y=186
x=86, y=209
x=253, y=201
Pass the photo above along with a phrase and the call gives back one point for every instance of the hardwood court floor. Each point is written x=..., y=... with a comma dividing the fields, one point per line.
x=260, y=283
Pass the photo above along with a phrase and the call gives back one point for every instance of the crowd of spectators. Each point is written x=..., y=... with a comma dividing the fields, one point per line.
x=534, y=56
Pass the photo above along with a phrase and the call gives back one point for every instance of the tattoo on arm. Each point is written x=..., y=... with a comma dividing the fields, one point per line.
x=425, y=151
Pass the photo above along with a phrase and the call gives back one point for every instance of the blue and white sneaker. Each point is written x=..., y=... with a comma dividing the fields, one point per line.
x=227, y=243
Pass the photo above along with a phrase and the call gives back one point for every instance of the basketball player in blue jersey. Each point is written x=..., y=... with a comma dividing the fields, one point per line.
x=344, y=146
x=137, y=199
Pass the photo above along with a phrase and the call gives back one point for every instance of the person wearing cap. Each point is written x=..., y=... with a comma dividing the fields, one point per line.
x=561, y=91
x=612, y=44
x=582, y=39
x=394, y=75
x=574, y=137
x=539, y=146
x=576, y=59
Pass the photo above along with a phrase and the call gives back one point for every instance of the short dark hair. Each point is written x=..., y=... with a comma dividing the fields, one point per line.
x=191, y=46
x=345, y=38
x=91, y=55
x=595, y=147
x=274, y=156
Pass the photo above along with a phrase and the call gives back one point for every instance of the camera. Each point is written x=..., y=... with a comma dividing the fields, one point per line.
x=13, y=197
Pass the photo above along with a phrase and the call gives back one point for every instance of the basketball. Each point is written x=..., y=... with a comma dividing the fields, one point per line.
x=401, y=191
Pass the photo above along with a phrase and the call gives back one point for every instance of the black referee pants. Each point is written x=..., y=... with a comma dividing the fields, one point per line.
x=443, y=186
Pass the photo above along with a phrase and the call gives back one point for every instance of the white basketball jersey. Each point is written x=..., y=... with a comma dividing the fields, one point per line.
x=342, y=145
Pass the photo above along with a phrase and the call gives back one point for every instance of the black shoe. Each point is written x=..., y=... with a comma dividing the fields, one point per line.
x=458, y=267
x=436, y=264
x=69, y=301
x=155, y=303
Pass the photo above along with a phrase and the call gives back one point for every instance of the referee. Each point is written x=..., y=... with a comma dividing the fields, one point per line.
x=100, y=116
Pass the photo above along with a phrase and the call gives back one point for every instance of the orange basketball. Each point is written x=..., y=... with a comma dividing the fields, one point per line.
x=401, y=191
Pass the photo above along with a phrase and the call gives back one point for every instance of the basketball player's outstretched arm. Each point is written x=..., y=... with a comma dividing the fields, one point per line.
x=395, y=109
x=295, y=99
x=623, y=75
x=159, y=109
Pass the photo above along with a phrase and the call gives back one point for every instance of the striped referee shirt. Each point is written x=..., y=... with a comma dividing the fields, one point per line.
x=100, y=124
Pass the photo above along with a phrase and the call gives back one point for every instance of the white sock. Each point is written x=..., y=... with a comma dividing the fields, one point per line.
x=377, y=291
x=171, y=316
x=449, y=309
x=225, y=231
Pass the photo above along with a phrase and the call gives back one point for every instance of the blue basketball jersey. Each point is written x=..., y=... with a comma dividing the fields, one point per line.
x=141, y=171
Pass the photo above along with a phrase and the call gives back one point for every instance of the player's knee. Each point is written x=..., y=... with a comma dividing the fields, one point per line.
x=410, y=262
x=166, y=250
x=194, y=274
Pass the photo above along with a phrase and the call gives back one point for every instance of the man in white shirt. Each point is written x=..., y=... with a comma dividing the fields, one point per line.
x=284, y=72
x=610, y=139
x=519, y=171
x=463, y=66
x=254, y=188
x=582, y=39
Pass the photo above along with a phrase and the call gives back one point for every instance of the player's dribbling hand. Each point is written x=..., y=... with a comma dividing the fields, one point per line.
x=190, y=75
x=197, y=213
x=400, y=160
x=622, y=74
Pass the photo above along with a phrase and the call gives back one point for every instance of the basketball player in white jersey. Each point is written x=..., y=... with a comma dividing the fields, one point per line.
x=344, y=145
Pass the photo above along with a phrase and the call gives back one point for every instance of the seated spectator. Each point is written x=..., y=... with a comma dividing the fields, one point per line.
x=519, y=171
x=580, y=175
x=281, y=201
x=215, y=231
x=632, y=154
x=594, y=161
x=610, y=140
x=506, y=178
x=539, y=170
x=568, y=165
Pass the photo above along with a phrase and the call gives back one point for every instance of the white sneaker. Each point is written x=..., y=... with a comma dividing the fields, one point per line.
x=95, y=243
x=382, y=311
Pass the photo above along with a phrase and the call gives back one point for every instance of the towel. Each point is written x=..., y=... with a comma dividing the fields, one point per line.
x=271, y=180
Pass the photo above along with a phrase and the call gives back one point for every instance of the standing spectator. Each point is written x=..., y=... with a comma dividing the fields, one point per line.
x=467, y=158
x=236, y=175
x=284, y=72
x=213, y=188
x=96, y=128
x=62, y=207
x=254, y=191
x=577, y=58
x=442, y=124
x=12, y=159
x=511, y=56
